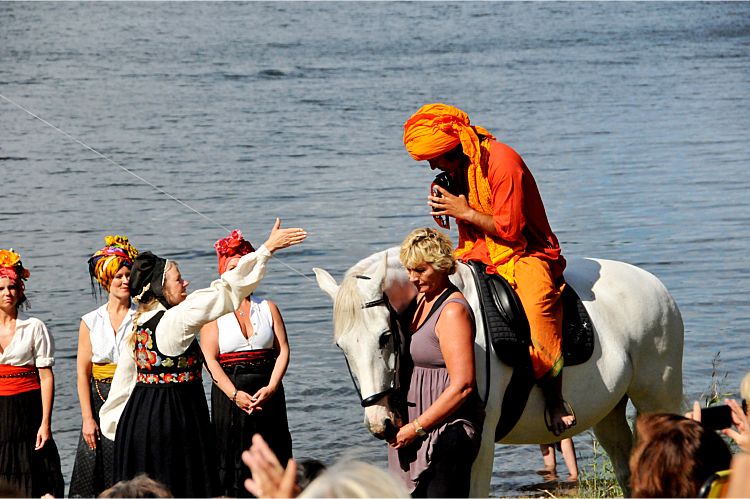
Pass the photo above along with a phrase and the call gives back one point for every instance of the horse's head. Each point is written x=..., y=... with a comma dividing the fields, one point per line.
x=366, y=331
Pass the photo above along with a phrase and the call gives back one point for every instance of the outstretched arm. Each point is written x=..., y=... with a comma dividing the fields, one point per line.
x=181, y=323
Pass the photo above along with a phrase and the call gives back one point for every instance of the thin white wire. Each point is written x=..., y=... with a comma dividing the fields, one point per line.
x=110, y=160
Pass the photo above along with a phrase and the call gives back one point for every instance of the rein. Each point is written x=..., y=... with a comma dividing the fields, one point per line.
x=395, y=338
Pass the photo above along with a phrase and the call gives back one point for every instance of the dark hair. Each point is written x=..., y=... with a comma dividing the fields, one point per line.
x=307, y=471
x=674, y=456
x=9, y=490
x=140, y=486
x=457, y=153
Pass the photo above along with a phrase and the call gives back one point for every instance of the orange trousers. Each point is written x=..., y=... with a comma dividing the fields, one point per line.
x=539, y=285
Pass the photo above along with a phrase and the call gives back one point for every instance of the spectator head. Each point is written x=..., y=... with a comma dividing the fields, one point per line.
x=355, y=479
x=307, y=471
x=674, y=456
x=140, y=486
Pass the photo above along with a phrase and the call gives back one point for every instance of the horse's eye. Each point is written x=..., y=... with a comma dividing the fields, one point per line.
x=385, y=338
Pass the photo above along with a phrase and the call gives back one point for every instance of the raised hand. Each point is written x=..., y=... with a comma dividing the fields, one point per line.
x=269, y=479
x=283, y=238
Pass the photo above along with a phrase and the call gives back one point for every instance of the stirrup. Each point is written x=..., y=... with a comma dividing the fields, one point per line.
x=548, y=417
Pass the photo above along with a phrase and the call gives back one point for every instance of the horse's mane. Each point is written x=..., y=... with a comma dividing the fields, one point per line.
x=347, y=308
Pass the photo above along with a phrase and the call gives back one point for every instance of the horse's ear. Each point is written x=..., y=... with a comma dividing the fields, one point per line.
x=326, y=282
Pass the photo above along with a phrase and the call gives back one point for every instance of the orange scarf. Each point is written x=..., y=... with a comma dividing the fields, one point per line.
x=480, y=198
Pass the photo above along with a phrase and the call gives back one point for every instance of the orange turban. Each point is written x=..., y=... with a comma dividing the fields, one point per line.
x=438, y=128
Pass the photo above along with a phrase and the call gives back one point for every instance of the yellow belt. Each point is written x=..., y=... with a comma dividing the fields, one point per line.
x=102, y=371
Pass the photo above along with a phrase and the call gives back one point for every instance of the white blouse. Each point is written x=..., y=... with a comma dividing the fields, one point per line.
x=180, y=324
x=31, y=345
x=231, y=338
x=106, y=344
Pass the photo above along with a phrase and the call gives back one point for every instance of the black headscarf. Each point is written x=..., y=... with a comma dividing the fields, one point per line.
x=148, y=274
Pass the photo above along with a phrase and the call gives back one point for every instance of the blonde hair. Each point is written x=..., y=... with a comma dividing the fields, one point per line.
x=355, y=479
x=745, y=388
x=426, y=245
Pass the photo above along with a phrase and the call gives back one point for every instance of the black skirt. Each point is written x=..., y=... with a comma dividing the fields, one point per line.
x=235, y=428
x=165, y=432
x=32, y=472
x=92, y=470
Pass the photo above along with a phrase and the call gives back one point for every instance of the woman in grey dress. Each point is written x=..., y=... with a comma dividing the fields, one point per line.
x=434, y=450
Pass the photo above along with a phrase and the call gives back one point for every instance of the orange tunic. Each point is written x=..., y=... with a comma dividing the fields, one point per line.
x=526, y=251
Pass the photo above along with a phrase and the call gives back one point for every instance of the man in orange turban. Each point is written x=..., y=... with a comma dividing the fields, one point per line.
x=502, y=223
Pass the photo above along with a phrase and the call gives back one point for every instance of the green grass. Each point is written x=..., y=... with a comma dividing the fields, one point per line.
x=597, y=477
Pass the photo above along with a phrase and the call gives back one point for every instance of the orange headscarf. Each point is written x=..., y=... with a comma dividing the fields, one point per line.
x=438, y=128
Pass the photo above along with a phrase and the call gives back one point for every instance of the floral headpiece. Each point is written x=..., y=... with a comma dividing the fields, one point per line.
x=12, y=268
x=232, y=246
x=11, y=265
x=105, y=263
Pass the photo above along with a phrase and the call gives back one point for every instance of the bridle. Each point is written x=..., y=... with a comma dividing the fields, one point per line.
x=395, y=339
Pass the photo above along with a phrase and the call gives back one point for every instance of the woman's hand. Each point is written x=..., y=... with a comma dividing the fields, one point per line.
x=90, y=432
x=740, y=420
x=244, y=401
x=283, y=238
x=269, y=479
x=42, y=435
x=406, y=435
x=260, y=397
x=695, y=414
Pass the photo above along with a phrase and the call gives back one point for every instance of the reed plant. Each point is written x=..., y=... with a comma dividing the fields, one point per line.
x=597, y=477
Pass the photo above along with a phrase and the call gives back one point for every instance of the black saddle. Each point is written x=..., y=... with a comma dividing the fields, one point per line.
x=507, y=328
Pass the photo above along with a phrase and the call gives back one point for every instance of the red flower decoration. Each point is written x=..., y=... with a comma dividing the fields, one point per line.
x=234, y=244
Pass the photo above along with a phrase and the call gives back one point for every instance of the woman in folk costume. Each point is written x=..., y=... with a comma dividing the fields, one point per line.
x=501, y=222
x=247, y=353
x=101, y=337
x=156, y=411
x=29, y=461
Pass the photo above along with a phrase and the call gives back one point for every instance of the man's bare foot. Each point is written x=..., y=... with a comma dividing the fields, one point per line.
x=559, y=417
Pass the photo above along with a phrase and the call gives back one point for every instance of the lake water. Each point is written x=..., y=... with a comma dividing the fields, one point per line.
x=632, y=116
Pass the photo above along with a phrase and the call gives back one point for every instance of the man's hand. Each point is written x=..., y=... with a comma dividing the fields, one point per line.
x=448, y=204
x=458, y=208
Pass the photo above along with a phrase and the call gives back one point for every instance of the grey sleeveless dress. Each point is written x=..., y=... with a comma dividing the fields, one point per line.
x=455, y=442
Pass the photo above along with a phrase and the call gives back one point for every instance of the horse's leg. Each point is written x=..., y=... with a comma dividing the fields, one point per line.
x=613, y=432
x=659, y=390
x=481, y=470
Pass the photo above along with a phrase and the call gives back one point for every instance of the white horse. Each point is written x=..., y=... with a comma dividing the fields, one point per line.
x=638, y=335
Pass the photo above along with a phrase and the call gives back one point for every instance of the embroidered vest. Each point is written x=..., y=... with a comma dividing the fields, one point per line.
x=154, y=367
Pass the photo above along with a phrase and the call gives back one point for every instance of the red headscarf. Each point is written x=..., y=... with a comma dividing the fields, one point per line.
x=12, y=268
x=232, y=246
